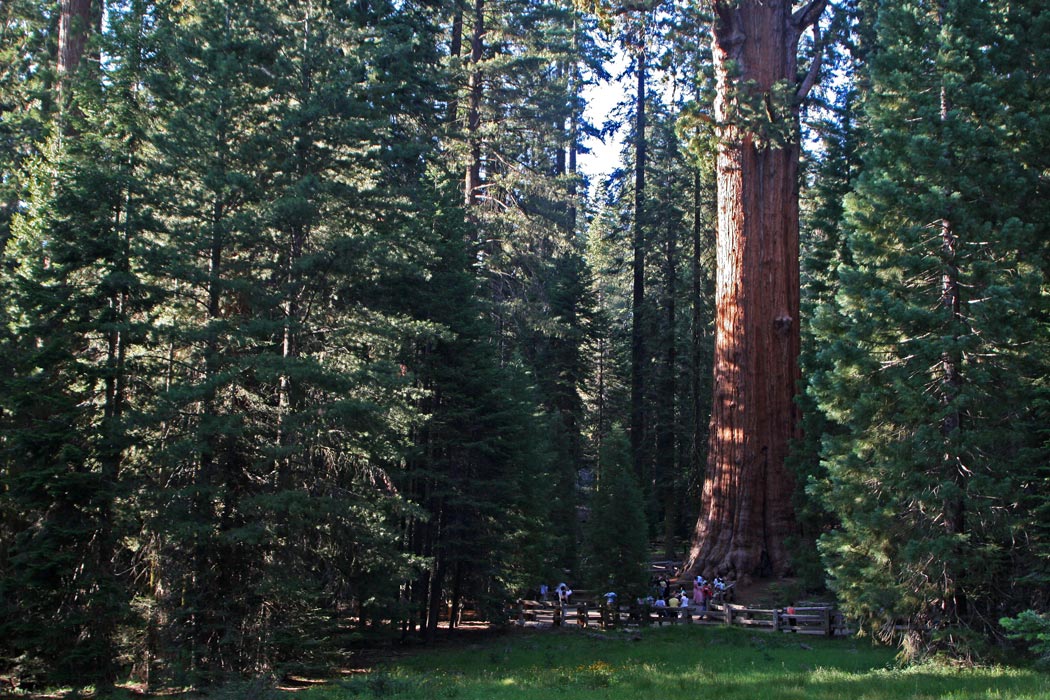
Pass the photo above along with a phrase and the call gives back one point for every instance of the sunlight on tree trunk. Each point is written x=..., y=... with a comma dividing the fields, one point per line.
x=746, y=511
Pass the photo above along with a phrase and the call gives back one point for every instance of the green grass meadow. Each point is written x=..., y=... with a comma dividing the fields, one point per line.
x=686, y=661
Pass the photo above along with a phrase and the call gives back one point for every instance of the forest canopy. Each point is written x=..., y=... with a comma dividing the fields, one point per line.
x=314, y=331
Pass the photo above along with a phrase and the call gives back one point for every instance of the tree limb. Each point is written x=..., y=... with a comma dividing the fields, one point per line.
x=808, y=15
x=814, y=68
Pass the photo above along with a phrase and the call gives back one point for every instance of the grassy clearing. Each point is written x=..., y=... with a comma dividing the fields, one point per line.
x=680, y=662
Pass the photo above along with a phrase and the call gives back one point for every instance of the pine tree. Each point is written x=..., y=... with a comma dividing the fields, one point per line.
x=82, y=304
x=284, y=414
x=25, y=102
x=518, y=136
x=829, y=172
x=482, y=473
x=617, y=545
x=929, y=386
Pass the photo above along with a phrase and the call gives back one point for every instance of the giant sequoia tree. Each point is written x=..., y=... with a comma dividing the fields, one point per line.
x=746, y=510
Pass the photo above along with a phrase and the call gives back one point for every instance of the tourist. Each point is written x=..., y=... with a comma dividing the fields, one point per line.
x=661, y=609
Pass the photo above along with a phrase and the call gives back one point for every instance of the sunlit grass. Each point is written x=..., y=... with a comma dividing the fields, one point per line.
x=682, y=662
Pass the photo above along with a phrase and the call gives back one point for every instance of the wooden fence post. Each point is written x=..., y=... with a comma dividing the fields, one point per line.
x=729, y=615
x=776, y=620
x=828, y=631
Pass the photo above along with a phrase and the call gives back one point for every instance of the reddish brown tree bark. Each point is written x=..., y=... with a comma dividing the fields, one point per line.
x=76, y=20
x=746, y=509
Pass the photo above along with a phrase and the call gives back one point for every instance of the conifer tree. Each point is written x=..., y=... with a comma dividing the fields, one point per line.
x=829, y=172
x=83, y=303
x=617, y=546
x=284, y=413
x=929, y=385
x=522, y=129
x=25, y=101
x=482, y=472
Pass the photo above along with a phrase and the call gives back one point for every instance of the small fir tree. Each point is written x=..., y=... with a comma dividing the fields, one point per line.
x=617, y=542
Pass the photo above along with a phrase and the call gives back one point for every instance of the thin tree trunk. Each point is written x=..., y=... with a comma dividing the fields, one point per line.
x=955, y=601
x=638, y=345
x=454, y=50
x=666, y=452
x=473, y=177
x=746, y=509
x=457, y=598
x=574, y=128
x=297, y=234
x=205, y=640
x=111, y=455
x=600, y=377
x=436, y=592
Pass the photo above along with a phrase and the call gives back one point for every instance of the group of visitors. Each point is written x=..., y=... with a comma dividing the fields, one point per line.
x=667, y=603
x=562, y=591
x=662, y=599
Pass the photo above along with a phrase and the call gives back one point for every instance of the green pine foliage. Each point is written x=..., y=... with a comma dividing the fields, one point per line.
x=617, y=543
x=1031, y=628
x=274, y=387
x=25, y=101
x=829, y=171
x=525, y=222
x=482, y=466
x=82, y=300
x=928, y=380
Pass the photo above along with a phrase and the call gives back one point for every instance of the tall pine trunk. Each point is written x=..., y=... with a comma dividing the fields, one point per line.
x=638, y=345
x=454, y=50
x=955, y=602
x=666, y=454
x=77, y=20
x=746, y=509
x=472, y=182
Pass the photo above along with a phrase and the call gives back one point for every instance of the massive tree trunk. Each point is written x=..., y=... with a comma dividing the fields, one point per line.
x=746, y=509
x=74, y=23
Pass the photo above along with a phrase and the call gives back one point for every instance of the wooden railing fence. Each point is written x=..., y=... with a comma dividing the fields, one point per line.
x=826, y=621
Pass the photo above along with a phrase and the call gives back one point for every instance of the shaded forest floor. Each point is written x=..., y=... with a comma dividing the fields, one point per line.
x=470, y=635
